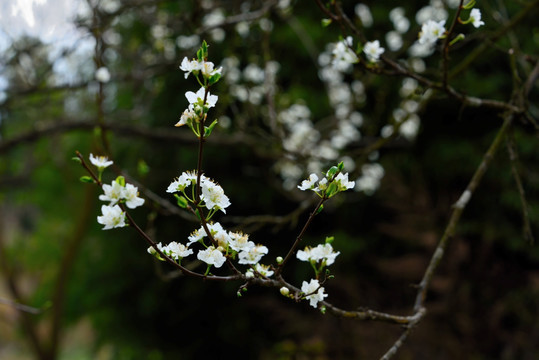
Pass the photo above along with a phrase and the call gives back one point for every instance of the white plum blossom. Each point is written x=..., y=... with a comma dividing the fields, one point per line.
x=196, y=235
x=325, y=252
x=113, y=193
x=130, y=195
x=100, y=162
x=342, y=181
x=189, y=66
x=373, y=50
x=322, y=185
x=240, y=241
x=198, y=97
x=112, y=217
x=220, y=235
x=187, y=116
x=431, y=31
x=207, y=69
x=116, y=193
x=214, y=196
x=475, y=18
x=343, y=56
x=212, y=256
x=320, y=253
x=186, y=178
x=176, y=250
x=252, y=255
x=309, y=183
x=263, y=270
x=314, y=292
x=305, y=255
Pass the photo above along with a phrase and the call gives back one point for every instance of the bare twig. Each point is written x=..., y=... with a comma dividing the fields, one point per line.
x=21, y=307
x=513, y=157
x=458, y=208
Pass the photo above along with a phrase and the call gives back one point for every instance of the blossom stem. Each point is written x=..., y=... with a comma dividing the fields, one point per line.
x=87, y=168
x=170, y=260
x=300, y=236
x=447, y=43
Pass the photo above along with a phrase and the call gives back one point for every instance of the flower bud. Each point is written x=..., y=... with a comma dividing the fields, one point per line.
x=284, y=291
x=279, y=260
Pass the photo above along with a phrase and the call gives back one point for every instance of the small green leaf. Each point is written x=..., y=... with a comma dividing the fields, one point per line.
x=205, y=48
x=326, y=22
x=182, y=201
x=209, y=129
x=319, y=210
x=200, y=55
x=76, y=159
x=340, y=166
x=87, y=179
x=331, y=172
x=333, y=188
x=329, y=239
x=120, y=180
x=214, y=78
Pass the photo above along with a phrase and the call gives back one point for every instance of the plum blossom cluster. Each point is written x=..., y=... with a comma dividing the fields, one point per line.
x=319, y=257
x=431, y=31
x=433, y=21
x=206, y=68
x=201, y=101
x=343, y=56
x=322, y=254
x=231, y=243
x=212, y=195
x=219, y=246
x=332, y=183
x=118, y=192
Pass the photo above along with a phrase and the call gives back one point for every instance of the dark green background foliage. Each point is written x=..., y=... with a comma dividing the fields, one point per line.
x=117, y=302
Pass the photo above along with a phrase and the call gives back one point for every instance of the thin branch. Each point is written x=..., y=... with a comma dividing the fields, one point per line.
x=21, y=307
x=445, y=48
x=513, y=157
x=300, y=236
x=458, y=208
x=528, y=11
